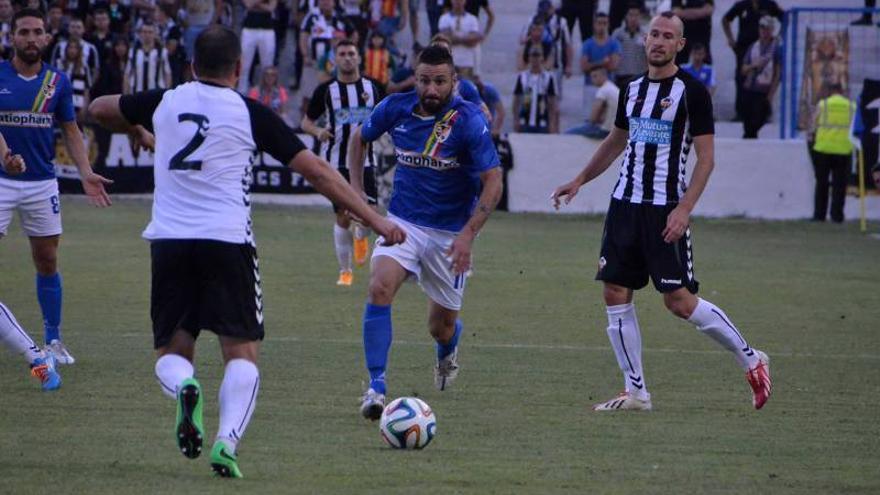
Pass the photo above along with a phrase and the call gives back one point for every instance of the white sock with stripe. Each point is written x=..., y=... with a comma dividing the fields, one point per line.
x=710, y=320
x=171, y=371
x=342, y=239
x=238, y=398
x=15, y=338
x=626, y=340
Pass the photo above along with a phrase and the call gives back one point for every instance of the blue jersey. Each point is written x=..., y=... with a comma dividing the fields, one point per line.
x=705, y=75
x=439, y=159
x=28, y=111
x=469, y=92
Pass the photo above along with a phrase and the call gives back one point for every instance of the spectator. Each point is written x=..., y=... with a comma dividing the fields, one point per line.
x=598, y=126
x=556, y=33
x=257, y=34
x=75, y=31
x=631, y=38
x=393, y=16
x=580, y=12
x=832, y=152
x=378, y=62
x=534, y=98
x=170, y=32
x=536, y=40
x=196, y=15
x=697, y=18
x=463, y=30
x=55, y=30
x=356, y=15
x=618, y=8
x=492, y=99
x=749, y=13
x=600, y=50
x=867, y=18
x=6, y=14
x=760, y=69
x=474, y=7
x=434, y=8
x=120, y=15
x=404, y=77
x=698, y=67
x=271, y=93
x=147, y=66
x=110, y=81
x=73, y=64
x=101, y=37
x=317, y=32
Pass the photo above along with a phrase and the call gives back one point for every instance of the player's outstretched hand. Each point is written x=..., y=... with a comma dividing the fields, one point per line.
x=93, y=185
x=676, y=224
x=391, y=232
x=325, y=135
x=564, y=194
x=460, y=252
x=13, y=164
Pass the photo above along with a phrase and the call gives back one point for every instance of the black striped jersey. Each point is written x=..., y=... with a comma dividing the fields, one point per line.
x=662, y=118
x=207, y=137
x=345, y=106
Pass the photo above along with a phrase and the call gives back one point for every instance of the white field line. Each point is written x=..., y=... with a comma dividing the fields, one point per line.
x=550, y=347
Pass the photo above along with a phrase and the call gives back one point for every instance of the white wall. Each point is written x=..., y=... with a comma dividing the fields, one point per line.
x=767, y=179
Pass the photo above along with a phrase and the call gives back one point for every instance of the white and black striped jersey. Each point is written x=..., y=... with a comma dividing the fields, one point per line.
x=535, y=89
x=147, y=70
x=207, y=138
x=346, y=106
x=90, y=54
x=662, y=118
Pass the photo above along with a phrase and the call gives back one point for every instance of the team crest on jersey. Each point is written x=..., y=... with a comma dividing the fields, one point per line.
x=666, y=102
x=441, y=132
x=46, y=92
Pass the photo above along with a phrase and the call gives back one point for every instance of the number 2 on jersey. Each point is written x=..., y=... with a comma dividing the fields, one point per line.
x=179, y=161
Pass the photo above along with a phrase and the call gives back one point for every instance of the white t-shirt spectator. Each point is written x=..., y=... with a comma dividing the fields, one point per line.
x=609, y=93
x=464, y=56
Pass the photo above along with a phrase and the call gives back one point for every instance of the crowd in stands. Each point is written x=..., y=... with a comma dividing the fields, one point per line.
x=109, y=46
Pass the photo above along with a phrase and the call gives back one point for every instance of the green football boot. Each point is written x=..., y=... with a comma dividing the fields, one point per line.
x=224, y=462
x=189, y=430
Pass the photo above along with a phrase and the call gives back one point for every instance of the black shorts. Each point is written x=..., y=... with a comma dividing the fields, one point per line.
x=369, y=186
x=205, y=284
x=633, y=248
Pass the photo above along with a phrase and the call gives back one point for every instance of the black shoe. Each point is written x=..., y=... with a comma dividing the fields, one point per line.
x=865, y=20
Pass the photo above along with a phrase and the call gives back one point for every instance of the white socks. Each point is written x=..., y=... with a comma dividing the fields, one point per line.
x=710, y=320
x=15, y=338
x=626, y=340
x=342, y=239
x=238, y=396
x=172, y=370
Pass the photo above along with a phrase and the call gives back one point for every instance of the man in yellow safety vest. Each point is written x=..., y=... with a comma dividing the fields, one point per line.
x=832, y=152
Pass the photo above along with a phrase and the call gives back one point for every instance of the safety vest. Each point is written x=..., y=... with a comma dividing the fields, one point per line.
x=835, y=114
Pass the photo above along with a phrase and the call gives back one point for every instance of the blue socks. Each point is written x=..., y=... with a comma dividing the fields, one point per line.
x=444, y=350
x=377, y=343
x=49, y=296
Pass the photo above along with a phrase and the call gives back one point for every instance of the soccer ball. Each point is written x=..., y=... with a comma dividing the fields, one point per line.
x=408, y=423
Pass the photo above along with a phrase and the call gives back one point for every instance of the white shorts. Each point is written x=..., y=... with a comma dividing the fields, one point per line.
x=424, y=256
x=38, y=205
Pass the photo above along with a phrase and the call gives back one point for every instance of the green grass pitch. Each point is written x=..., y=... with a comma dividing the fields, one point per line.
x=534, y=357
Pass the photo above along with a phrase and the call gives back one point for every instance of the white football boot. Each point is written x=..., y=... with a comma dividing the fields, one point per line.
x=61, y=354
x=372, y=404
x=446, y=370
x=624, y=402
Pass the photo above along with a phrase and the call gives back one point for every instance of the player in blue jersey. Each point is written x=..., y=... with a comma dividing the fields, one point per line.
x=446, y=185
x=33, y=96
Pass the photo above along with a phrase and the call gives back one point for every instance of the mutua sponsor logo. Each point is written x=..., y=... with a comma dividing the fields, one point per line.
x=27, y=119
x=651, y=131
x=412, y=159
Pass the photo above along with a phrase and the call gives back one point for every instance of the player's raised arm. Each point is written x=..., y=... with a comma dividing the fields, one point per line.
x=130, y=114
